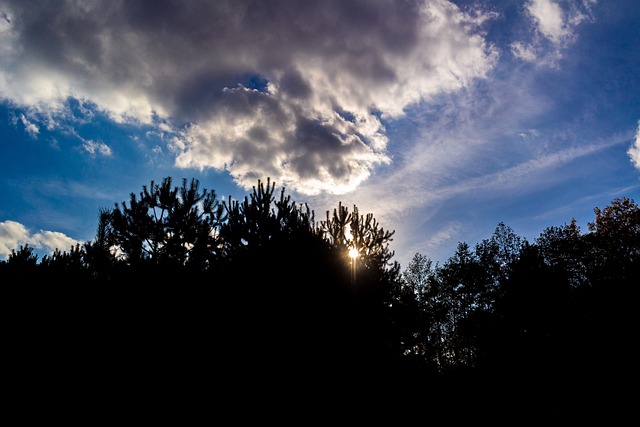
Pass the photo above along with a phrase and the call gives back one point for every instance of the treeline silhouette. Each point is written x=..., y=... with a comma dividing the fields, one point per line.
x=245, y=294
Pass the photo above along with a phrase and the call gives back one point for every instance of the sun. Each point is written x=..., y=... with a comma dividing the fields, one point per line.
x=353, y=253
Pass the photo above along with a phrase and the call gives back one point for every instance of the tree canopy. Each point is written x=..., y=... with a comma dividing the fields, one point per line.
x=270, y=293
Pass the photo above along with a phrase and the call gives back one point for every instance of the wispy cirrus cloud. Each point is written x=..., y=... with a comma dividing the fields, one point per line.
x=29, y=127
x=97, y=147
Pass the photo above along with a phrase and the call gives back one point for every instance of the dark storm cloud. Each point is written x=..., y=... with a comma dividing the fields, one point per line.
x=293, y=85
x=194, y=62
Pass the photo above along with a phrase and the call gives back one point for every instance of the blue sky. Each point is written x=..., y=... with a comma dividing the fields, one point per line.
x=442, y=118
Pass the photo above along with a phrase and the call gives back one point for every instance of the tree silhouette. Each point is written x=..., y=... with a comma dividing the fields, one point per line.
x=21, y=266
x=165, y=227
x=614, y=238
x=258, y=290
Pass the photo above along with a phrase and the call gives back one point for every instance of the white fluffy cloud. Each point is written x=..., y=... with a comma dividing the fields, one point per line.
x=634, y=150
x=297, y=91
x=552, y=23
x=14, y=235
x=549, y=19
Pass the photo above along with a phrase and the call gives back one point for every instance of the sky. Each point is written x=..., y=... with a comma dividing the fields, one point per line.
x=441, y=118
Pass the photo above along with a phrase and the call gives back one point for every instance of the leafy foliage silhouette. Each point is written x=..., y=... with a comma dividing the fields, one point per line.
x=177, y=276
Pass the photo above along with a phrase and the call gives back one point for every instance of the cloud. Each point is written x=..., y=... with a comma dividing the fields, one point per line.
x=485, y=145
x=445, y=235
x=96, y=147
x=297, y=91
x=549, y=19
x=51, y=240
x=553, y=24
x=13, y=235
x=634, y=150
x=29, y=127
x=523, y=51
